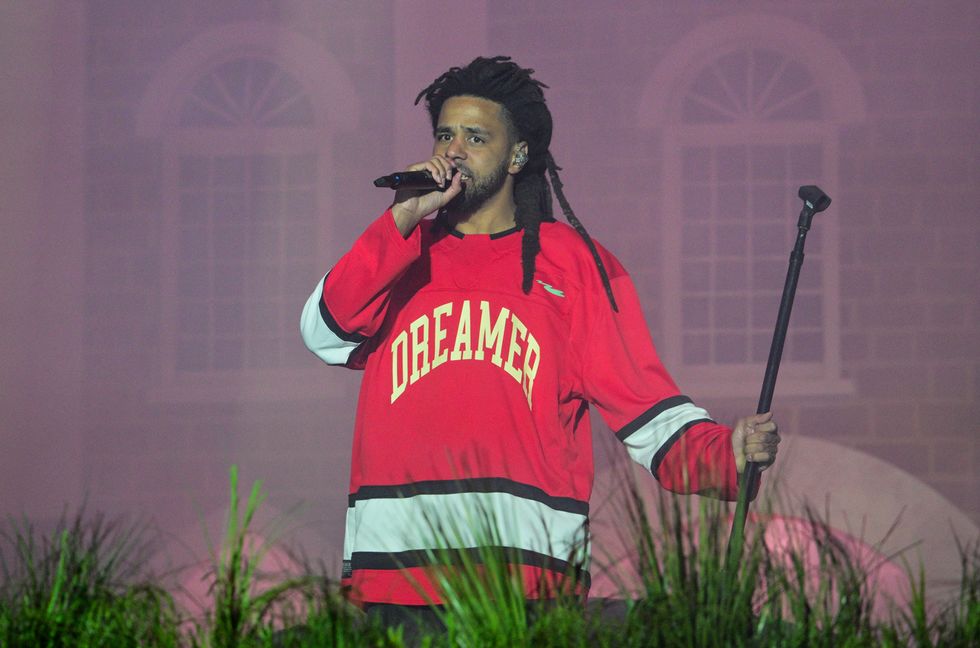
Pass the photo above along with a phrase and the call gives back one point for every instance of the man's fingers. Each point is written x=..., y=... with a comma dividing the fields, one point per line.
x=757, y=420
x=440, y=167
x=762, y=441
x=758, y=442
x=756, y=439
x=766, y=431
x=455, y=186
x=752, y=448
x=761, y=423
x=435, y=170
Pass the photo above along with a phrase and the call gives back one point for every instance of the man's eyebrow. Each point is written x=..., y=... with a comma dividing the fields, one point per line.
x=474, y=130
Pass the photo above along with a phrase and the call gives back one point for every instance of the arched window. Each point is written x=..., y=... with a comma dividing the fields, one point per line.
x=748, y=122
x=245, y=115
x=243, y=164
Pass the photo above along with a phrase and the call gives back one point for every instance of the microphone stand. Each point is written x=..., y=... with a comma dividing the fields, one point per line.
x=814, y=201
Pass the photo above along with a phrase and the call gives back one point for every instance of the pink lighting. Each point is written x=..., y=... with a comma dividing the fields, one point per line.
x=176, y=177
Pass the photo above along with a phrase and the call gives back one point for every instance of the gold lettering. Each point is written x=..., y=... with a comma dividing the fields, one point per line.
x=399, y=360
x=439, y=334
x=420, y=348
x=412, y=358
x=491, y=336
x=463, y=334
x=531, y=366
x=514, y=349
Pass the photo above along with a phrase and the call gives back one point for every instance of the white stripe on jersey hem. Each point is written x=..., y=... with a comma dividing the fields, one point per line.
x=644, y=443
x=460, y=520
x=317, y=335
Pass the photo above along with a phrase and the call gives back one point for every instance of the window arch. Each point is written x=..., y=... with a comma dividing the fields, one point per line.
x=247, y=93
x=243, y=167
x=747, y=117
x=244, y=119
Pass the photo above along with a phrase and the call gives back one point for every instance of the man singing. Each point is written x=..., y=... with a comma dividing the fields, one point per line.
x=485, y=333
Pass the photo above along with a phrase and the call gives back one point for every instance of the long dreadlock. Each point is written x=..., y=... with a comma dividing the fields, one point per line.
x=528, y=119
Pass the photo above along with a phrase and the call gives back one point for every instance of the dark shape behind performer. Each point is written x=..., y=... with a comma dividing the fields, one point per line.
x=485, y=334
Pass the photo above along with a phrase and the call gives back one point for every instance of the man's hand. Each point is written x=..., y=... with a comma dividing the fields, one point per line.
x=412, y=206
x=755, y=438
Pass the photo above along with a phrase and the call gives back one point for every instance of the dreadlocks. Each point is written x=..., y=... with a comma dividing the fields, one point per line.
x=528, y=119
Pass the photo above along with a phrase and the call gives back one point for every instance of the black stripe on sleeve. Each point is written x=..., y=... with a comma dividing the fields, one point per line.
x=665, y=448
x=421, y=558
x=474, y=485
x=651, y=414
x=335, y=327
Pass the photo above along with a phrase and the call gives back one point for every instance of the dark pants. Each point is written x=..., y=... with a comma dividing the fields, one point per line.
x=421, y=620
x=417, y=620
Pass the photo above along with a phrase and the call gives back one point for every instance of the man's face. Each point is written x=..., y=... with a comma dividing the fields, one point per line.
x=472, y=133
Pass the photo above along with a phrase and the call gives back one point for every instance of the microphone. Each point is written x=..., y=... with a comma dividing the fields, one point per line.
x=417, y=180
x=814, y=198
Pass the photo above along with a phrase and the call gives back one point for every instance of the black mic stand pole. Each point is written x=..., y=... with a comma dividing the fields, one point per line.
x=814, y=201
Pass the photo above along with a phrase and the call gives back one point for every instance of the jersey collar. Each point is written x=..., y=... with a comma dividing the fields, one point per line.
x=442, y=222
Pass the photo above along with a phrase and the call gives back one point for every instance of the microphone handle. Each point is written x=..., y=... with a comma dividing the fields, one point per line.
x=416, y=180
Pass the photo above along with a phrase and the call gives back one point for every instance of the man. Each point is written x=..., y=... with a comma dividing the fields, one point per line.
x=484, y=335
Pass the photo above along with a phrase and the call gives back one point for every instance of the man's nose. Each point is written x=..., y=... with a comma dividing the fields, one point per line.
x=456, y=149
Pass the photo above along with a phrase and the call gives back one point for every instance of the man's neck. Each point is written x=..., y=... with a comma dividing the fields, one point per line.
x=495, y=215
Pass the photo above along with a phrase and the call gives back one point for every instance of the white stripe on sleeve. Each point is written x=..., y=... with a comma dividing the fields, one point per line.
x=318, y=337
x=644, y=443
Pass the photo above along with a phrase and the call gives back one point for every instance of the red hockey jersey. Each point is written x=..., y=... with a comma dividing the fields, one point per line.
x=474, y=404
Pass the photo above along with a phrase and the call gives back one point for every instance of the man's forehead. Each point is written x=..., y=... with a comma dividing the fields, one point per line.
x=470, y=112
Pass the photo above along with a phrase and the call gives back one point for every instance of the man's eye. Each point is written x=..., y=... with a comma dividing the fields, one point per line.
x=476, y=139
x=443, y=137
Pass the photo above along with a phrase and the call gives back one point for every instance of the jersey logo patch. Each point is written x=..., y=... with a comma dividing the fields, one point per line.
x=554, y=291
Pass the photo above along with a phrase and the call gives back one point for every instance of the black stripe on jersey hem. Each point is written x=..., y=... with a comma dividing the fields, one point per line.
x=665, y=448
x=335, y=327
x=651, y=414
x=423, y=558
x=473, y=485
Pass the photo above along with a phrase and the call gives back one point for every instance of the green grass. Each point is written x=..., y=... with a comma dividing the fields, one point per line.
x=85, y=584
x=249, y=609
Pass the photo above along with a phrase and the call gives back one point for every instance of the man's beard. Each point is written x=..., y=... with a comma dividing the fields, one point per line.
x=477, y=191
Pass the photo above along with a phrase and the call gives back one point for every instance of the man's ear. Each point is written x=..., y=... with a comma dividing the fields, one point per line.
x=518, y=158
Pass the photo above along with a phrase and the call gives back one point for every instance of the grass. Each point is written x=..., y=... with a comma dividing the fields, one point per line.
x=84, y=584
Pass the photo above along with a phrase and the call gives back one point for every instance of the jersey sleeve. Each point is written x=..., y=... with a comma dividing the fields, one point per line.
x=624, y=379
x=349, y=304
